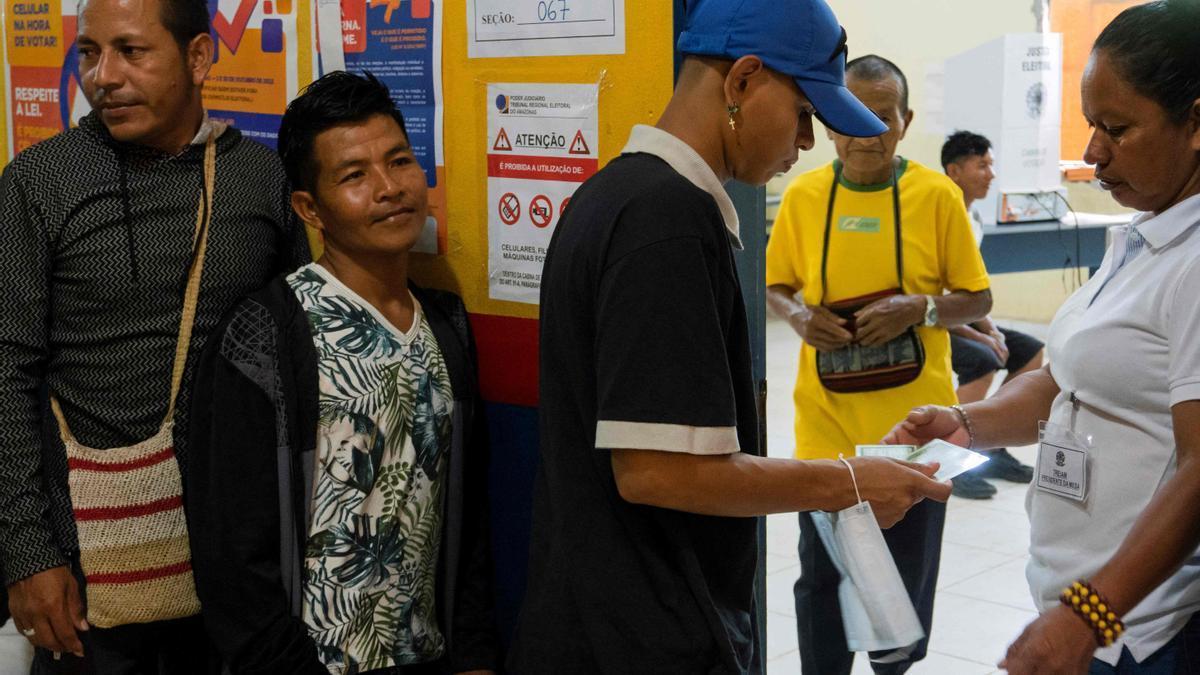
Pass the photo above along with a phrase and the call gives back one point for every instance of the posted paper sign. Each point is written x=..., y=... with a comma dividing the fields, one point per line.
x=542, y=143
x=255, y=69
x=43, y=95
x=401, y=44
x=506, y=28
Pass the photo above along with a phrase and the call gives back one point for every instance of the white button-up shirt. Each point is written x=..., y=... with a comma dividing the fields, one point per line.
x=1127, y=345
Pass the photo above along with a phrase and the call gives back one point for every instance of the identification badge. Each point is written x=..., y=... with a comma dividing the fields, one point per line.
x=1062, y=463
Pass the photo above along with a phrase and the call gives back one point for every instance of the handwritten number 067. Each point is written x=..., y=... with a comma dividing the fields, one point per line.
x=552, y=10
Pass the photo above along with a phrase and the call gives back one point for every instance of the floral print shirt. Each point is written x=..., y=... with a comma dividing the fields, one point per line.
x=372, y=549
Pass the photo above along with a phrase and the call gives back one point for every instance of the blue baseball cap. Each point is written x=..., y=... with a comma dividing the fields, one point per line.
x=799, y=38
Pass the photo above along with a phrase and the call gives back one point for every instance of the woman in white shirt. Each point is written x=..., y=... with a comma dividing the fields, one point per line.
x=1115, y=504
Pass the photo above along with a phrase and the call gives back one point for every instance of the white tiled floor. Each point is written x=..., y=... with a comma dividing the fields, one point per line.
x=982, y=601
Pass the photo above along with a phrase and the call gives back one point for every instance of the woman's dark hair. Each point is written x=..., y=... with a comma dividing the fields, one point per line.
x=1156, y=48
x=337, y=98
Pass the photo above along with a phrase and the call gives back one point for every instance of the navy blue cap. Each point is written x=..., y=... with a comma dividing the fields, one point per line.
x=799, y=38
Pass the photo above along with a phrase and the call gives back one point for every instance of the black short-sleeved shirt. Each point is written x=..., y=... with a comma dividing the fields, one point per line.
x=644, y=344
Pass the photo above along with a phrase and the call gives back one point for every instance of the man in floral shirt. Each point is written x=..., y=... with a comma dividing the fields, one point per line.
x=339, y=464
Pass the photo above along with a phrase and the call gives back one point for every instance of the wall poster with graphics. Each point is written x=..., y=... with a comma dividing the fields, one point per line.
x=255, y=70
x=400, y=42
x=542, y=143
x=254, y=75
x=506, y=28
x=42, y=95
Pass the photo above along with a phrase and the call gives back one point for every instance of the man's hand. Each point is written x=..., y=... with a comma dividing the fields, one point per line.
x=985, y=333
x=927, y=423
x=820, y=328
x=1056, y=643
x=893, y=487
x=48, y=604
x=888, y=317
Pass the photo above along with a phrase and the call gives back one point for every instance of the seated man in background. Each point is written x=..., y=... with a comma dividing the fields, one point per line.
x=870, y=261
x=980, y=349
x=338, y=487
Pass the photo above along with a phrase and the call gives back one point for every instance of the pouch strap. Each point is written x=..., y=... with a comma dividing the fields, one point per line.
x=837, y=177
x=191, y=295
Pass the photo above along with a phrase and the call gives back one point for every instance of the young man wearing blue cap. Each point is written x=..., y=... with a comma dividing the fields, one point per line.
x=644, y=544
x=870, y=259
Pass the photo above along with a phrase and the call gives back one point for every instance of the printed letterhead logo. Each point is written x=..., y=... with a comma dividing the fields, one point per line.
x=1060, y=459
x=502, y=104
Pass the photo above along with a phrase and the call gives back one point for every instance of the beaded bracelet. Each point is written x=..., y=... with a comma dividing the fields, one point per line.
x=966, y=422
x=1087, y=602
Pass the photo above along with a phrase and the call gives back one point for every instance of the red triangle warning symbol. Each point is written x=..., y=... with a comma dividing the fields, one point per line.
x=579, y=146
x=502, y=144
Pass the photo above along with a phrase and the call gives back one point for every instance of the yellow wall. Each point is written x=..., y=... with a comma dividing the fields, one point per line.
x=634, y=89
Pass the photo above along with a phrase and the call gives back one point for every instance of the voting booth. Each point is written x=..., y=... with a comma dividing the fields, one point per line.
x=1010, y=90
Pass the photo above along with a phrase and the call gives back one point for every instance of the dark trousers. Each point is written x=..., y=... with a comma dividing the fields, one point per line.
x=179, y=647
x=1180, y=656
x=916, y=545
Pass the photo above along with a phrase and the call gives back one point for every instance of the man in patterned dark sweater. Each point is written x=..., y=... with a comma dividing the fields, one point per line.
x=98, y=228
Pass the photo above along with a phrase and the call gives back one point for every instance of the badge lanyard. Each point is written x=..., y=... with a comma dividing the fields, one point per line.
x=837, y=175
x=1064, y=457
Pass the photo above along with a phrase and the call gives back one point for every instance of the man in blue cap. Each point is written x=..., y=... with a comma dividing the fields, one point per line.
x=644, y=545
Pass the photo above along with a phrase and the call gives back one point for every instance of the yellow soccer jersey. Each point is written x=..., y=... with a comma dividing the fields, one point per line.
x=940, y=255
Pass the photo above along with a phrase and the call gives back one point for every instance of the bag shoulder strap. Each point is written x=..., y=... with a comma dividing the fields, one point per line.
x=188, y=317
x=837, y=177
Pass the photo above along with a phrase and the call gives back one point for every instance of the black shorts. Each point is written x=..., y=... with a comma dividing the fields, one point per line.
x=972, y=360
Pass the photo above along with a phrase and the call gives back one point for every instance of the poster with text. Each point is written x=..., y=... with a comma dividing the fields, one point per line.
x=255, y=70
x=42, y=95
x=542, y=142
x=400, y=42
x=506, y=28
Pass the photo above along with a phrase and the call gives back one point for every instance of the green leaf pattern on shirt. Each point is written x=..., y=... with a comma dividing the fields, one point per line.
x=371, y=555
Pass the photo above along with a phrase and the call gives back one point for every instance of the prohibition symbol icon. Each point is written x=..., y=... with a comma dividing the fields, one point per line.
x=510, y=208
x=541, y=210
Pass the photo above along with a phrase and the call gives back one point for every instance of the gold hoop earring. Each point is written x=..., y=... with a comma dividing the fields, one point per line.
x=732, y=110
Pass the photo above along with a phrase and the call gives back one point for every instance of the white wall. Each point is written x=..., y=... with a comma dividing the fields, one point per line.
x=912, y=34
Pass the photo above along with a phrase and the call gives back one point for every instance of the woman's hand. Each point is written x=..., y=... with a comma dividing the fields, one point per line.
x=927, y=423
x=1056, y=643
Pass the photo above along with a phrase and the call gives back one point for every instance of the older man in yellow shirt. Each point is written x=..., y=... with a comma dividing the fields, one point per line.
x=870, y=259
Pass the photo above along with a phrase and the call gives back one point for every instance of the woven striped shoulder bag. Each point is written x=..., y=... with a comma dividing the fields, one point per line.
x=128, y=502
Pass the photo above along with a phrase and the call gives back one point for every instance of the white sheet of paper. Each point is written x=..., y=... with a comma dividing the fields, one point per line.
x=503, y=28
x=954, y=460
